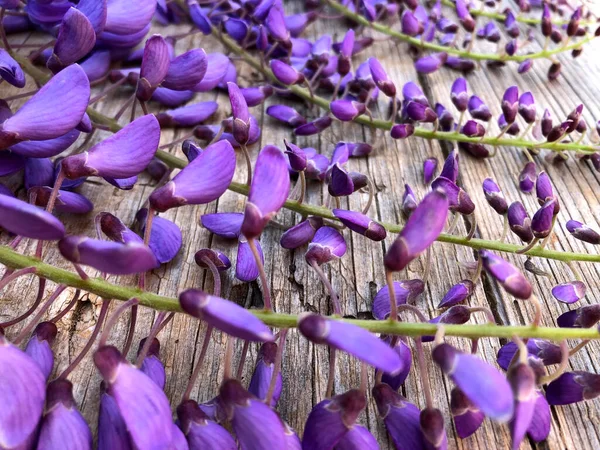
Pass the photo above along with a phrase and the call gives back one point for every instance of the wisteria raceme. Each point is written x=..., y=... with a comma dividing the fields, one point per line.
x=316, y=84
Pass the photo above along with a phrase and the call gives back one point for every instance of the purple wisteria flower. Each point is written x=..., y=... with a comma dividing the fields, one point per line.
x=301, y=234
x=406, y=291
x=10, y=70
x=522, y=378
x=263, y=372
x=187, y=116
x=583, y=232
x=286, y=114
x=54, y=110
x=66, y=201
x=458, y=94
x=402, y=130
x=457, y=294
x=511, y=279
x=519, y=221
x=573, y=387
x=548, y=352
x=165, y=236
x=330, y=420
x=123, y=155
x=109, y=257
x=484, y=385
x=240, y=113
x=351, y=339
x=226, y=225
x=200, y=432
x=510, y=104
x=494, y=196
x=478, y=109
x=141, y=403
x=268, y=191
x=186, y=70
x=429, y=169
x=421, y=230
x=582, y=317
x=224, y=315
x=467, y=417
x=152, y=365
x=155, y=64
x=76, y=38
x=27, y=220
x=409, y=201
x=246, y=269
x=542, y=220
x=570, y=292
x=201, y=181
x=39, y=347
x=23, y=387
x=347, y=110
x=327, y=244
x=361, y=223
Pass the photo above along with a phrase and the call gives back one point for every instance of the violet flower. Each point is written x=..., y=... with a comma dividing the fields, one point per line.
x=301, y=234
x=528, y=177
x=583, y=232
x=202, y=181
x=46, y=148
x=226, y=225
x=327, y=244
x=494, y=196
x=347, y=110
x=527, y=107
x=187, y=116
x=10, y=70
x=165, y=237
x=523, y=381
x=467, y=417
x=573, y=387
x=152, y=365
x=330, y=420
x=421, y=230
x=429, y=169
x=582, y=317
x=361, y=223
x=286, y=114
x=39, y=347
x=457, y=294
x=224, y=315
x=268, y=191
x=141, y=403
x=155, y=65
x=402, y=130
x=263, y=372
x=458, y=94
x=123, y=155
x=519, y=222
x=546, y=351
x=513, y=281
x=241, y=115
x=409, y=201
x=76, y=38
x=200, y=432
x=285, y=73
x=351, y=339
x=570, y=292
x=406, y=291
x=27, y=220
x=112, y=431
x=478, y=109
x=246, y=269
x=55, y=109
x=314, y=127
x=542, y=221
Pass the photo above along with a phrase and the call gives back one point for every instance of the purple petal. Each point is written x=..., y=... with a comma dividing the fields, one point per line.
x=97, y=64
x=358, y=438
x=187, y=70
x=301, y=234
x=109, y=257
x=406, y=291
x=125, y=17
x=570, y=292
x=95, y=11
x=116, y=41
x=539, y=428
x=39, y=347
x=55, y=109
x=263, y=372
x=112, y=431
x=10, y=70
x=361, y=223
x=66, y=201
x=171, y=98
x=568, y=388
x=286, y=114
x=327, y=244
x=457, y=294
x=10, y=163
x=224, y=315
x=513, y=281
x=226, y=225
x=403, y=350
x=155, y=64
x=22, y=386
x=152, y=365
x=548, y=352
x=46, y=148
x=351, y=339
x=203, y=180
x=467, y=418
x=188, y=115
x=122, y=155
x=165, y=237
x=200, y=432
x=268, y=191
x=27, y=220
x=218, y=64
x=38, y=172
x=76, y=38
x=245, y=266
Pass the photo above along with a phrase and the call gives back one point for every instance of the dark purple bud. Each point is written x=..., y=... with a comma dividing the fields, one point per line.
x=402, y=130
x=546, y=21
x=401, y=418
x=224, y=315
x=63, y=426
x=445, y=117
x=431, y=63
x=464, y=16
x=445, y=25
x=361, y=223
x=142, y=405
x=39, y=347
x=433, y=429
x=76, y=37
x=519, y=221
x=165, y=236
x=420, y=113
x=351, y=339
x=409, y=201
x=525, y=66
x=484, y=385
x=570, y=292
x=263, y=371
x=410, y=24
x=347, y=110
x=413, y=93
x=511, y=47
x=201, y=181
x=511, y=25
x=523, y=381
x=110, y=257
x=187, y=116
x=509, y=128
x=527, y=107
x=122, y=155
x=455, y=315
x=255, y=424
x=382, y=81
x=54, y=110
x=246, y=269
x=10, y=70
x=155, y=65
x=510, y=104
x=406, y=291
x=268, y=191
x=314, y=127
x=66, y=201
x=478, y=109
x=583, y=232
x=330, y=420
x=546, y=123
x=467, y=417
x=542, y=221
x=546, y=351
x=152, y=365
x=559, y=131
x=458, y=94
x=458, y=200
x=429, y=169
x=327, y=244
x=573, y=24
x=421, y=230
x=296, y=156
x=554, y=71
x=528, y=177
x=457, y=294
x=286, y=114
x=23, y=219
x=543, y=188
x=473, y=129
x=513, y=281
x=573, y=118
x=583, y=317
x=573, y=387
x=494, y=196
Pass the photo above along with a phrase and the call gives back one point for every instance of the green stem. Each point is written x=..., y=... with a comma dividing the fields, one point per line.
x=103, y=288
x=451, y=50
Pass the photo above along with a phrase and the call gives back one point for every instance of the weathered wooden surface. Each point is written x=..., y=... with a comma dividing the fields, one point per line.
x=357, y=276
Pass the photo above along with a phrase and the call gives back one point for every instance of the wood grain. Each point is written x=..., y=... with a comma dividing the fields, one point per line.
x=359, y=275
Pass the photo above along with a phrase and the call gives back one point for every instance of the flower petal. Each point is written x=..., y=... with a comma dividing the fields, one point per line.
x=76, y=38
x=29, y=221
x=188, y=115
x=187, y=70
x=226, y=225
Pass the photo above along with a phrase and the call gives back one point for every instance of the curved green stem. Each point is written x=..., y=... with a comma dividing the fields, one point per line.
x=105, y=289
x=451, y=50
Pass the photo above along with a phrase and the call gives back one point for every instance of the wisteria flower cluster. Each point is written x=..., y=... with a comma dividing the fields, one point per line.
x=102, y=46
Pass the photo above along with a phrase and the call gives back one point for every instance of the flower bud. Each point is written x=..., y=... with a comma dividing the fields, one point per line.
x=467, y=417
x=513, y=281
x=582, y=232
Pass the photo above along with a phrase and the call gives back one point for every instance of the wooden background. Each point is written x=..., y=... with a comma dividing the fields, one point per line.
x=359, y=275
